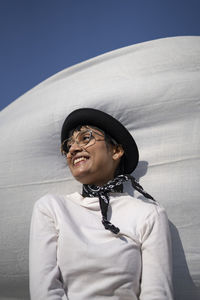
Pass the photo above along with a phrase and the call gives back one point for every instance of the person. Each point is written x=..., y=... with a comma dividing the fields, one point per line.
x=103, y=243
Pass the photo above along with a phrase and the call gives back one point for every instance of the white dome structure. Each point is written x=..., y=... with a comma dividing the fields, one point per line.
x=153, y=88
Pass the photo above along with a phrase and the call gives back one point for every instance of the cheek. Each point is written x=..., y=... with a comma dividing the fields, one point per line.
x=69, y=164
x=104, y=158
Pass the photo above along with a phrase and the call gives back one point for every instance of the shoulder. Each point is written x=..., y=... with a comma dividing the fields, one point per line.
x=138, y=209
x=46, y=200
x=150, y=219
x=146, y=206
x=52, y=202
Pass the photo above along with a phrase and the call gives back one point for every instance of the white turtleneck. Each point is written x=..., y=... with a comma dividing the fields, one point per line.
x=73, y=257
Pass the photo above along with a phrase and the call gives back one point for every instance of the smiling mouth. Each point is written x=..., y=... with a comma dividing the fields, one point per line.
x=79, y=159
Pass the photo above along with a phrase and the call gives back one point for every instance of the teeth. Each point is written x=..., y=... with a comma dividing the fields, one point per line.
x=79, y=159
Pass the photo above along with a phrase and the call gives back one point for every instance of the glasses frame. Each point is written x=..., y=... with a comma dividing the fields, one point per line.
x=84, y=146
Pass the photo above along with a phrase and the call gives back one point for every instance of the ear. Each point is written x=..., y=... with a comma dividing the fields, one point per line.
x=118, y=152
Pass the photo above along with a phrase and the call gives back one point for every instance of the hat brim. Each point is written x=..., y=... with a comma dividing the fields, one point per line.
x=111, y=126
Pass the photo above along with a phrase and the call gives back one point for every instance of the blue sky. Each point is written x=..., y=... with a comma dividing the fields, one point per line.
x=42, y=37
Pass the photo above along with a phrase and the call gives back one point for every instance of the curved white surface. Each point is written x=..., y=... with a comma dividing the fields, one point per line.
x=153, y=88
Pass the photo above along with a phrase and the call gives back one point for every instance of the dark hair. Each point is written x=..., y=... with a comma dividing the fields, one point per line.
x=109, y=141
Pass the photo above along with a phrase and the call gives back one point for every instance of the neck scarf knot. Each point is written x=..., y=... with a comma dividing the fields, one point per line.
x=102, y=192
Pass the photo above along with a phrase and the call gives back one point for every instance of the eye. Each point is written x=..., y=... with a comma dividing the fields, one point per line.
x=86, y=138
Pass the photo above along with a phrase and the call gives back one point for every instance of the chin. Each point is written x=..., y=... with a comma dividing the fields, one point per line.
x=82, y=177
x=86, y=179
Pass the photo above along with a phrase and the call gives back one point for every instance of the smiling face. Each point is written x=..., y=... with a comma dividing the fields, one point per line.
x=94, y=163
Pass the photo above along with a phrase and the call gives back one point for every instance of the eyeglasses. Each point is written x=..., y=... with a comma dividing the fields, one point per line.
x=84, y=139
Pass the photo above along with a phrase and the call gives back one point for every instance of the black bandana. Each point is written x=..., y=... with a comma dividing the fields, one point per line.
x=102, y=192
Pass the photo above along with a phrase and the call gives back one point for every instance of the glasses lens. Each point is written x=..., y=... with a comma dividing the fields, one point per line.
x=83, y=138
x=66, y=145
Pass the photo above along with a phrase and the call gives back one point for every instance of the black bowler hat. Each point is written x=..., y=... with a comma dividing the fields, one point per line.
x=110, y=125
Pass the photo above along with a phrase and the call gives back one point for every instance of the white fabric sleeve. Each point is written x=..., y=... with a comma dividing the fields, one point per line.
x=44, y=272
x=156, y=279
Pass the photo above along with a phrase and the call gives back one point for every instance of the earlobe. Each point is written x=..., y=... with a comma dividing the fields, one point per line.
x=115, y=156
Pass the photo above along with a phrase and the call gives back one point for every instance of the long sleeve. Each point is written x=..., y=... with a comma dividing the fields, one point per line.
x=44, y=272
x=156, y=280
